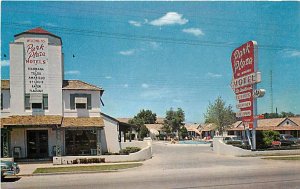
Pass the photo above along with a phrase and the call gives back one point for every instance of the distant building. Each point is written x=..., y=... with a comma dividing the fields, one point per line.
x=289, y=125
x=44, y=115
x=193, y=130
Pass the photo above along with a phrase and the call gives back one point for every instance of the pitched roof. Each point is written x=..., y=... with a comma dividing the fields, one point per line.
x=269, y=124
x=79, y=85
x=155, y=126
x=295, y=120
x=191, y=127
x=5, y=84
x=82, y=122
x=39, y=31
x=208, y=127
x=31, y=120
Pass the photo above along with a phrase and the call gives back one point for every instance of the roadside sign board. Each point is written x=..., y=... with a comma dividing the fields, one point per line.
x=244, y=79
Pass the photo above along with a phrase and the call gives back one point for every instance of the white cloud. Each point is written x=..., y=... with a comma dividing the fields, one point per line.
x=292, y=53
x=156, y=94
x=194, y=31
x=126, y=85
x=50, y=24
x=128, y=52
x=5, y=63
x=145, y=86
x=108, y=77
x=213, y=75
x=72, y=72
x=135, y=23
x=169, y=18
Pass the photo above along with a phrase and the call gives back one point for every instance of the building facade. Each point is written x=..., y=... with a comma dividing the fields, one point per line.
x=43, y=115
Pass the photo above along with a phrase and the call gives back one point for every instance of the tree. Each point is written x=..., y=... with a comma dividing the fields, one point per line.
x=142, y=118
x=219, y=114
x=147, y=116
x=173, y=121
x=276, y=115
x=183, y=132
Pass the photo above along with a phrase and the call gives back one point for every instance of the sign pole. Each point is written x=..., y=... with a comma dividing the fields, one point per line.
x=255, y=99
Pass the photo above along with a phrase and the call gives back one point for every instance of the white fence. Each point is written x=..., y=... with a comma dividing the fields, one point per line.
x=221, y=148
x=144, y=154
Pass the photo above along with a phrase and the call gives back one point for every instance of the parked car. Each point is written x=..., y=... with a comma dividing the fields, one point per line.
x=9, y=168
x=232, y=140
x=287, y=140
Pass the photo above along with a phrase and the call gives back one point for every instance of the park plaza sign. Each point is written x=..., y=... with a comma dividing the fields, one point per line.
x=244, y=80
x=36, y=65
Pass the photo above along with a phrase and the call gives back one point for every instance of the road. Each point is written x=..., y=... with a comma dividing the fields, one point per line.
x=179, y=167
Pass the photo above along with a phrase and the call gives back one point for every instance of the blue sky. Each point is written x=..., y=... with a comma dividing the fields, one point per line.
x=158, y=55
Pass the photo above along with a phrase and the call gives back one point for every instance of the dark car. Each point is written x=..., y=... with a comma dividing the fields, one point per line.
x=9, y=168
x=287, y=140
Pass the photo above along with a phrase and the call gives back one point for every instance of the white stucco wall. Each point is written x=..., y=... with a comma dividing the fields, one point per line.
x=95, y=102
x=111, y=135
x=19, y=139
x=221, y=148
x=17, y=78
x=55, y=80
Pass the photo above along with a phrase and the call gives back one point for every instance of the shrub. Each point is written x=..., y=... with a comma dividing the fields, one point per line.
x=129, y=150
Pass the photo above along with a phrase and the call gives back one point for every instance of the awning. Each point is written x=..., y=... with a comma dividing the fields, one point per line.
x=31, y=121
x=81, y=100
x=81, y=122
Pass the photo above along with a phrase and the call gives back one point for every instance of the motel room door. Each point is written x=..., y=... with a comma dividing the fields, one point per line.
x=37, y=143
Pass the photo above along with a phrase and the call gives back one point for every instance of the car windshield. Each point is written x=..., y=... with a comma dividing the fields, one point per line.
x=289, y=137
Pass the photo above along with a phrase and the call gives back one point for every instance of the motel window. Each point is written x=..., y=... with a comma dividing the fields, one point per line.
x=45, y=101
x=27, y=102
x=36, y=101
x=80, y=101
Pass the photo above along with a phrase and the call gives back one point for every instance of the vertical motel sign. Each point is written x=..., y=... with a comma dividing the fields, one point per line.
x=245, y=77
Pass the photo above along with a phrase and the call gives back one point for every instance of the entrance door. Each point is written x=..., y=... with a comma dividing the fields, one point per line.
x=37, y=143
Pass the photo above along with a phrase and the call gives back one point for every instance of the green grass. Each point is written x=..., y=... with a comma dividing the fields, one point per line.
x=294, y=158
x=95, y=168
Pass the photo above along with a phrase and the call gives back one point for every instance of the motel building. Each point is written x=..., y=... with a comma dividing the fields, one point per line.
x=43, y=115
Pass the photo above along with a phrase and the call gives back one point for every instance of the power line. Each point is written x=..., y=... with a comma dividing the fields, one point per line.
x=95, y=33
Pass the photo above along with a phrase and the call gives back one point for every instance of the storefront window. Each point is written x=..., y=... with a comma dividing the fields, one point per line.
x=80, y=142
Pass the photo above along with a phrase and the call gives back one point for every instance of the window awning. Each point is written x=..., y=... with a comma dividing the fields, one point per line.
x=36, y=98
x=81, y=100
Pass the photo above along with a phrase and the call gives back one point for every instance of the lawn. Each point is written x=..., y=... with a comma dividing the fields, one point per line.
x=294, y=158
x=95, y=168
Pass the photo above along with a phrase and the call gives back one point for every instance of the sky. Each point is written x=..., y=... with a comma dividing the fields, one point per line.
x=162, y=55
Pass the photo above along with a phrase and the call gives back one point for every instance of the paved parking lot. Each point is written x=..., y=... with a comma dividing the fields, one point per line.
x=175, y=166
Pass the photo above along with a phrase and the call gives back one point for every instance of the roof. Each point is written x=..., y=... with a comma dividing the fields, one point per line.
x=79, y=85
x=82, y=122
x=155, y=126
x=67, y=85
x=295, y=120
x=31, y=120
x=5, y=85
x=208, y=127
x=270, y=124
x=192, y=127
x=38, y=31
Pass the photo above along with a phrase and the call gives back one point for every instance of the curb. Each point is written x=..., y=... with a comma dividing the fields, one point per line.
x=63, y=173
